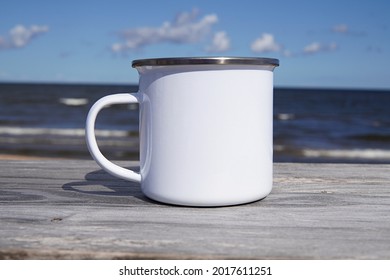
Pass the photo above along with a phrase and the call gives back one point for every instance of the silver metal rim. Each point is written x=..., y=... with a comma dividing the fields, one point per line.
x=205, y=61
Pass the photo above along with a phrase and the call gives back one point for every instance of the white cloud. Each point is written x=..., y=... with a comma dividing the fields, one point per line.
x=265, y=43
x=220, y=43
x=340, y=28
x=346, y=30
x=185, y=29
x=316, y=47
x=19, y=36
x=332, y=47
x=287, y=53
x=312, y=48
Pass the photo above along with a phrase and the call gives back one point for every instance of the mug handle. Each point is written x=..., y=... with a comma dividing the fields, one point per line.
x=112, y=168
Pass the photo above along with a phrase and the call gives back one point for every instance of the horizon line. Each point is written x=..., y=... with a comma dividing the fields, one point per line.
x=87, y=83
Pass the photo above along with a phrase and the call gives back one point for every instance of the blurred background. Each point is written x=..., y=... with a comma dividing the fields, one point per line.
x=332, y=89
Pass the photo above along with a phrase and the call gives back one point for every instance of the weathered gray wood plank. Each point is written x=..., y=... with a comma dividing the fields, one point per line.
x=74, y=210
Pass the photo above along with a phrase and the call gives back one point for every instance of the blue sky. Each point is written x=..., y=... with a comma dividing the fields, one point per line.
x=327, y=44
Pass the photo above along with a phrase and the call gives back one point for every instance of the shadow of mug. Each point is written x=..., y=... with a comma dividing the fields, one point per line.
x=101, y=185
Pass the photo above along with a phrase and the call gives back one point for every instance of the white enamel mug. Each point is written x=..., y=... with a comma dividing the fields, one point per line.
x=205, y=130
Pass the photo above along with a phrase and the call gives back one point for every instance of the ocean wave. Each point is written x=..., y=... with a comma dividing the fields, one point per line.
x=74, y=101
x=378, y=154
x=285, y=116
x=30, y=131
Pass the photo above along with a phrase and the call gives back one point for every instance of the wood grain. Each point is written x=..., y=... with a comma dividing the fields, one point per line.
x=63, y=209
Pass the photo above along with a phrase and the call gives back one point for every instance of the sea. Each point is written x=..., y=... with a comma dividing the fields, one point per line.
x=310, y=125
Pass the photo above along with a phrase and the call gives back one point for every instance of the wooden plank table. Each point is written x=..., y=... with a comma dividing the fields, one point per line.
x=65, y=209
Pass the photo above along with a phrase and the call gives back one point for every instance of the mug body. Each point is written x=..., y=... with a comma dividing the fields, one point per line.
x=205, y=132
